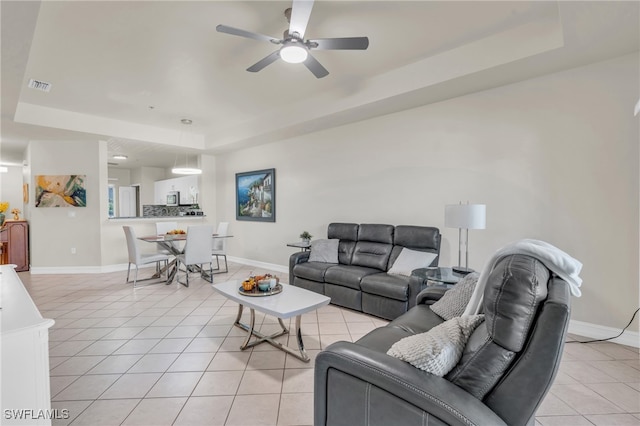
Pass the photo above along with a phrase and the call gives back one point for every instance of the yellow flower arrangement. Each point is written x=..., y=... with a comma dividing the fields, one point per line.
x=4, y=205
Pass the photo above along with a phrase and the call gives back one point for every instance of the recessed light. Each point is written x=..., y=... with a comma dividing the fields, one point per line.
x=120, y=157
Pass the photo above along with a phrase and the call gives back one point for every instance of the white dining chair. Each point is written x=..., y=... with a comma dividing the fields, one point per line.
x=138, y=259
x=220, y=246
x=197, y=251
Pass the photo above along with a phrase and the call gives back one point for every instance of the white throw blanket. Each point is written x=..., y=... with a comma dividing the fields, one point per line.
x=559, y=262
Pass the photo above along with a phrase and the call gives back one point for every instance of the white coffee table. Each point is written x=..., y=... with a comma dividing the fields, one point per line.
x=291, y=302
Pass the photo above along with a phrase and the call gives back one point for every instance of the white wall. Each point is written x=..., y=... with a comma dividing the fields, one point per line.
x=146, y=177
x=53, y=231
x=554, y=158
x=11, y=189
x=122, y=177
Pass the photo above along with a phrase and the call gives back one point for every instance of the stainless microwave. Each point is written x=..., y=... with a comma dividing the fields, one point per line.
x=173, y=198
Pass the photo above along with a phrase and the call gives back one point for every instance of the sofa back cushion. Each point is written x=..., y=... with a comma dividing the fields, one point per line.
x=418, y=238
x=374, y=246
x=347, y=233
x=515, y=289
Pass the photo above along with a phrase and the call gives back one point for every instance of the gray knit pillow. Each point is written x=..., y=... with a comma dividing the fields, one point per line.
x=325, y=251
x=453, y=302
x=438, y=350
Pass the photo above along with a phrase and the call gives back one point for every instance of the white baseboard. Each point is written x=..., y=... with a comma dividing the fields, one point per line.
x=123, y=267
x=595, y=331
x=270, y=266
x=53, y=270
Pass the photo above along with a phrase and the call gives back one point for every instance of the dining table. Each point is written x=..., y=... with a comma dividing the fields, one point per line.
x=169, y=242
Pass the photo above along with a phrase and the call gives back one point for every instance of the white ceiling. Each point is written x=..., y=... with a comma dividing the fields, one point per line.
x=127, y=72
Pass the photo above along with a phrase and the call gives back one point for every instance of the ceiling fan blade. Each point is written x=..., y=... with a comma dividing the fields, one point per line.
x=315, y=67
x=356, y=43
x=248, y=34
x=264, y=62
x=300, y=13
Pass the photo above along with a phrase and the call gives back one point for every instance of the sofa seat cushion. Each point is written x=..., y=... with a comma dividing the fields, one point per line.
x=381, y=339
x=348, y=276
x=418, y=319
x=386, y=285
x=314, y=271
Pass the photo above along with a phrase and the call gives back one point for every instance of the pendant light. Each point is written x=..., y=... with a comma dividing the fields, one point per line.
x=186, y=170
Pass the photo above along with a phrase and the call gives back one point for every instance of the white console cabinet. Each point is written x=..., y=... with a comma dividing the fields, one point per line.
x=24, y=347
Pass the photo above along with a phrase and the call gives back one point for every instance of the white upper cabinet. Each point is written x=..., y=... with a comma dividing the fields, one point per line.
x=187, y=186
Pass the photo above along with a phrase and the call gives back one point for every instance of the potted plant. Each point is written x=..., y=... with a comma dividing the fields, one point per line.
x=306, y=237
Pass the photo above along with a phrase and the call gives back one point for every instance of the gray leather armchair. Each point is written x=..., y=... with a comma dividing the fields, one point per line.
x=507, y=367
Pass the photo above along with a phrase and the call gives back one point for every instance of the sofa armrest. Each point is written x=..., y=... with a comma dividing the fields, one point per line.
x=416, y=284
x=431, y=294
x=294, y=259
x=398, y=379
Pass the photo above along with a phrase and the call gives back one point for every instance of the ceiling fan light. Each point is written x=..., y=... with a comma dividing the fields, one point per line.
x=186, y=171
x=293, y=54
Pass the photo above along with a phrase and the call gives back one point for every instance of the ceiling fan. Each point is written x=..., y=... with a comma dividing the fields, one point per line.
x=294, y=49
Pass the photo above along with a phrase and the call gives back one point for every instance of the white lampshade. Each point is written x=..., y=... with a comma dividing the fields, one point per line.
x=465, y=216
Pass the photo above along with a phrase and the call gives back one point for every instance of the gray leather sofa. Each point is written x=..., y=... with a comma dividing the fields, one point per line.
x=507, y=367
x=365, y=253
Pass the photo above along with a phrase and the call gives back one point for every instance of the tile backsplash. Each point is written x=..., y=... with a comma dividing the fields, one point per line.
x=155, y=210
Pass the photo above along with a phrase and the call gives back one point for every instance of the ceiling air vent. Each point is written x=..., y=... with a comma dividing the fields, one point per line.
x=39, y=85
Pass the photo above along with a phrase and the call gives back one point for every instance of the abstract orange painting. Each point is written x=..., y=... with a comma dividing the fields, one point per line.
x=60, y=191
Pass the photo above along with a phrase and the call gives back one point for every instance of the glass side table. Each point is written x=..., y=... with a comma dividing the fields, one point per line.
x=302, y=245
x=438, y=276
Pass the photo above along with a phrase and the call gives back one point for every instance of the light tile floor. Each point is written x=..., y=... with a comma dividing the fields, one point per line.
x=169, y=355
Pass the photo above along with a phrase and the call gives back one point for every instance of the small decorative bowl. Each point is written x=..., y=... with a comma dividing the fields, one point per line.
x=264, y=285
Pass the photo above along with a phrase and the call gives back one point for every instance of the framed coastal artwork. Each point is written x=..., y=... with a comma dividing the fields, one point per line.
x=60, y=191
x=256, y=195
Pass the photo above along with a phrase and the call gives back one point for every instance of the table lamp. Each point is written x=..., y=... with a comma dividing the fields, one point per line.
x=464, y=216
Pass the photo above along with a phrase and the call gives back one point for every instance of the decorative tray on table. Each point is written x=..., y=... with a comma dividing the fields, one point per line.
x=256, y=292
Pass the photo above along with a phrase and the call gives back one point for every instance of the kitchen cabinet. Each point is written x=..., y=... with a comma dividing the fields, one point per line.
x=181, y=184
